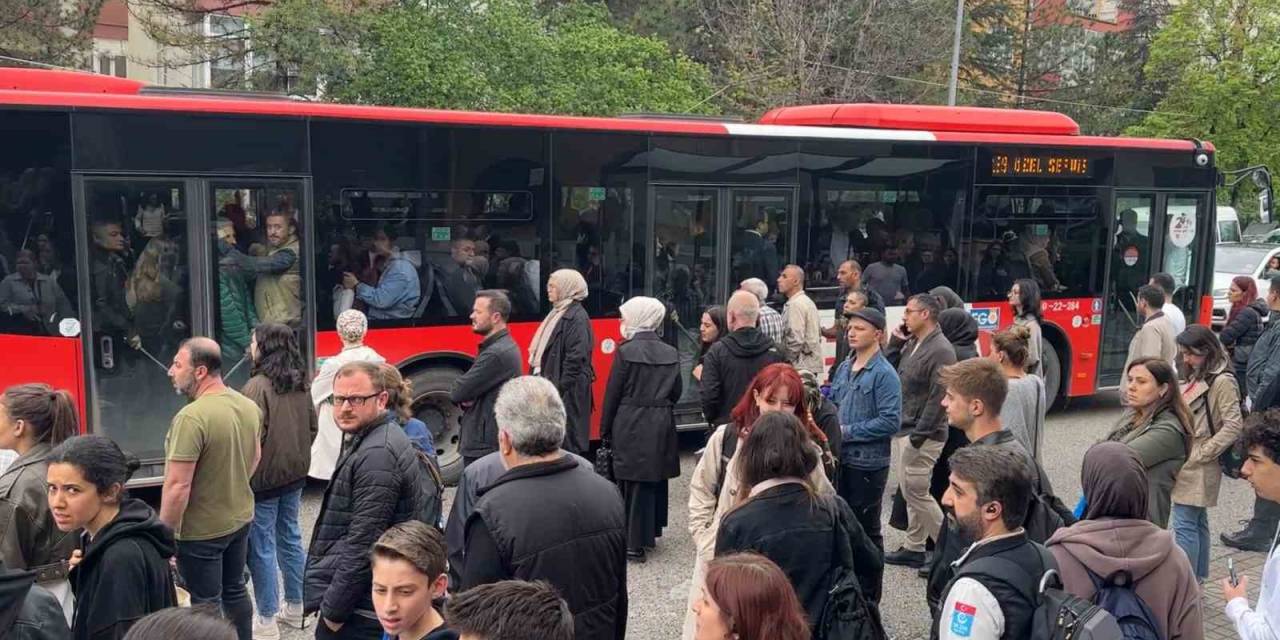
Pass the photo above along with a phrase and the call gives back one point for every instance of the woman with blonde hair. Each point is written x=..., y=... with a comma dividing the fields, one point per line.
x=155, y=297
x=561, y=352
x=1025, y=405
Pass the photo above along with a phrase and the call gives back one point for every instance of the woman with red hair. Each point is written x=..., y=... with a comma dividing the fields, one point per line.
x=716, y=484
x=1244, y=322
x=747, y=597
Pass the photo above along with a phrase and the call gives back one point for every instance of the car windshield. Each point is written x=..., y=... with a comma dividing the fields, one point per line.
x=1238, y=260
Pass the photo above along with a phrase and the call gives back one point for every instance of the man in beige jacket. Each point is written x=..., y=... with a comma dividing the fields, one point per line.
x=801, y=333
x=1156, y=337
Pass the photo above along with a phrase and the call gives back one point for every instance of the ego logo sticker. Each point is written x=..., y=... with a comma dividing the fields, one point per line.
x=962, y=620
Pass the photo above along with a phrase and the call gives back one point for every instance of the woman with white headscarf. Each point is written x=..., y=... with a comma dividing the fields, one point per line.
x=561, y=352
x=638, y=423
x=351, y=326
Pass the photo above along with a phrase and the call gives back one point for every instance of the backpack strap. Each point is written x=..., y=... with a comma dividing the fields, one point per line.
x=1008, y=572
x=728, y=445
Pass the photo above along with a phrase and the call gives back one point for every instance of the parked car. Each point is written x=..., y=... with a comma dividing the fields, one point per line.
x=1238, y=259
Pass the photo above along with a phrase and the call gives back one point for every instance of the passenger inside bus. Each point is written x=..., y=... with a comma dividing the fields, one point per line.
x=155, y=295
x=151, y=216
x=32, y=302
x=108, y=275
x=236, y=315
x=395, y=296
x=464, y=277
x=278, y=282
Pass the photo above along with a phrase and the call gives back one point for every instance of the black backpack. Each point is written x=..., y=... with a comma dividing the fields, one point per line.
x=1117, y=596
x=847, y=613
x=1057, y=614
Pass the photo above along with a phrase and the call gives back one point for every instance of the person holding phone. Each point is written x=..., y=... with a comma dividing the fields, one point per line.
x=1261, y=469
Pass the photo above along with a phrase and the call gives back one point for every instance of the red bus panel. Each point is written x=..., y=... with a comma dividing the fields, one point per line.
x=1079, y=319
x=57, y=362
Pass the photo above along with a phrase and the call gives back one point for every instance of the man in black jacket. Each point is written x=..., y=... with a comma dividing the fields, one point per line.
x=920, y=350
x=548, y=517
x=379, y=482
x=732, y=362
x=497, y=362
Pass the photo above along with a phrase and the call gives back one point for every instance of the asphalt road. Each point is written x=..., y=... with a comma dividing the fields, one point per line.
x=659, y=588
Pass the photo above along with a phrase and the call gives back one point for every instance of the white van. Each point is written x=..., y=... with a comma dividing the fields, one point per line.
x=1228, y=225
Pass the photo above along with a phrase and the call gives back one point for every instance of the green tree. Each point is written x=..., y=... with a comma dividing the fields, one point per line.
x=1220, y=62
x=58, y=33
x=506, y=55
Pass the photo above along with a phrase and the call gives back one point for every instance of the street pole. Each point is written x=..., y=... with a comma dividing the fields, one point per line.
x=955, y=54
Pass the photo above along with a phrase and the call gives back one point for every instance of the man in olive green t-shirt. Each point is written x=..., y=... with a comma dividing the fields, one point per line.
x=211, y=451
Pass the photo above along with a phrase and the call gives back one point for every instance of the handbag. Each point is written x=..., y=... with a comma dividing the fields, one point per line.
x=604, y=460
x=1231, y=459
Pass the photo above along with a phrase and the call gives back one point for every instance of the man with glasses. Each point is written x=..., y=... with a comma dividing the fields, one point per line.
x=379, y=482
x=920, y=350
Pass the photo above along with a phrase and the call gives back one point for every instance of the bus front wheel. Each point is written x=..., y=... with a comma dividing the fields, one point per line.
x=431, y=405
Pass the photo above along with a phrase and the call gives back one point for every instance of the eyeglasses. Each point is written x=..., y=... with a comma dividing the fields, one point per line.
x=356, y=401
x=910, y=310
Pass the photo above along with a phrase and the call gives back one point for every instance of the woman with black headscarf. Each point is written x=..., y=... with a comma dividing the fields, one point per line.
x=1115, y=536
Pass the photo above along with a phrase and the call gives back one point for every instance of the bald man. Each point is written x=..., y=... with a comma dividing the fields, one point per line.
x=212, y=449
x=734, y=360
x=801, y=333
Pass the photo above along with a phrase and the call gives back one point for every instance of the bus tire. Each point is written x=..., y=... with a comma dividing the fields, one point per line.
x=1052, y=372
x=431, y=405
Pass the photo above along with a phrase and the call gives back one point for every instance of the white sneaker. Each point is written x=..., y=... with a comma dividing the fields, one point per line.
x=265, y=628
x=291, y=614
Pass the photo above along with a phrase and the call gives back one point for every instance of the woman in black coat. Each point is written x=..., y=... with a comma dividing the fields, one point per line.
x=638, y=423
x=1244, y=323
x=561, y=352
x=782, y=518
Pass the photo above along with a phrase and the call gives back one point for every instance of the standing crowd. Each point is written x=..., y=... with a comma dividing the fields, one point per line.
x=785, y=503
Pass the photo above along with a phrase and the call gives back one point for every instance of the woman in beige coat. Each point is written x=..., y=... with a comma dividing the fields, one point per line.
x=1214, y=399
x=714, y=489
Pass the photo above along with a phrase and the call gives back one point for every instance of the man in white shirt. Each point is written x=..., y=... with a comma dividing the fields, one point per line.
x=1261, y=440
x=986, y=502
x=1171, y=310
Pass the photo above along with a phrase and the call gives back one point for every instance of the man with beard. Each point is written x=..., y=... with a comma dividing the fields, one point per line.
x=993, y=594
x=277, y=294
x=211, y=451
x=975, y=392
x=498, y=361
x=379, y=482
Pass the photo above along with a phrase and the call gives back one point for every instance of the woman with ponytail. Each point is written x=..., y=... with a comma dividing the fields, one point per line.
x=34, y=418
x=121, y=569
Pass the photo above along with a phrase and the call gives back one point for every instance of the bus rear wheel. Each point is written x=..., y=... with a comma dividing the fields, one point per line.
x=1052, y=372
x=431, y=405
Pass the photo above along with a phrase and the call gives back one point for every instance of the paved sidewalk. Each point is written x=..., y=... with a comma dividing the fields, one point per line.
x=1248, y=563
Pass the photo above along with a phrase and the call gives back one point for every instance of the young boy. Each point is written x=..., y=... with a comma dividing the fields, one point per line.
x=408, y=575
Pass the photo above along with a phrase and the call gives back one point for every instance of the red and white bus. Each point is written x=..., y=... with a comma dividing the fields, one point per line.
x=111, y=191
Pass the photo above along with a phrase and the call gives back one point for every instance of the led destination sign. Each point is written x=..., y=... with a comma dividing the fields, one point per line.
x=1040, y=165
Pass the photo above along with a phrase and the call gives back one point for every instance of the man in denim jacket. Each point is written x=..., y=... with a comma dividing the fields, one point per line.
x=868, y=394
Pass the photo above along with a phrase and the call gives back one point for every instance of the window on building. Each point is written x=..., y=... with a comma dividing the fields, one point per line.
x=227, y=68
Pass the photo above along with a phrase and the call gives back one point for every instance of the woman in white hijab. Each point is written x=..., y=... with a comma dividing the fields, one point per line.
x=561, y=352
x=351, y=325
x=638, y=423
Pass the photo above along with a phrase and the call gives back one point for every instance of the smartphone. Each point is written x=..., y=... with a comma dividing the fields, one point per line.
x=1231, y=570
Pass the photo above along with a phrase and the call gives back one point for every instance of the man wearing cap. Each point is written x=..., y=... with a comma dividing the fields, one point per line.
x=868, y=397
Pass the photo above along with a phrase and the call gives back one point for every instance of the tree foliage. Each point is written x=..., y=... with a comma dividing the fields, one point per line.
x=58, y=33
x=1220, y=63
x=505, y=55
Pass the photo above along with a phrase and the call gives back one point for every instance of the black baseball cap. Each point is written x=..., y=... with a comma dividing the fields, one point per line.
x=870, y=315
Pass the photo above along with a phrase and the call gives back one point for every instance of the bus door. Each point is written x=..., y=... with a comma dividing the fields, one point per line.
x=263, y=220
x=1153, y=232
x=705, y=240
x=135, y=242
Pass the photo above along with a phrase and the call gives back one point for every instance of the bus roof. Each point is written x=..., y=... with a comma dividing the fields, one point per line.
x=974, y=125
